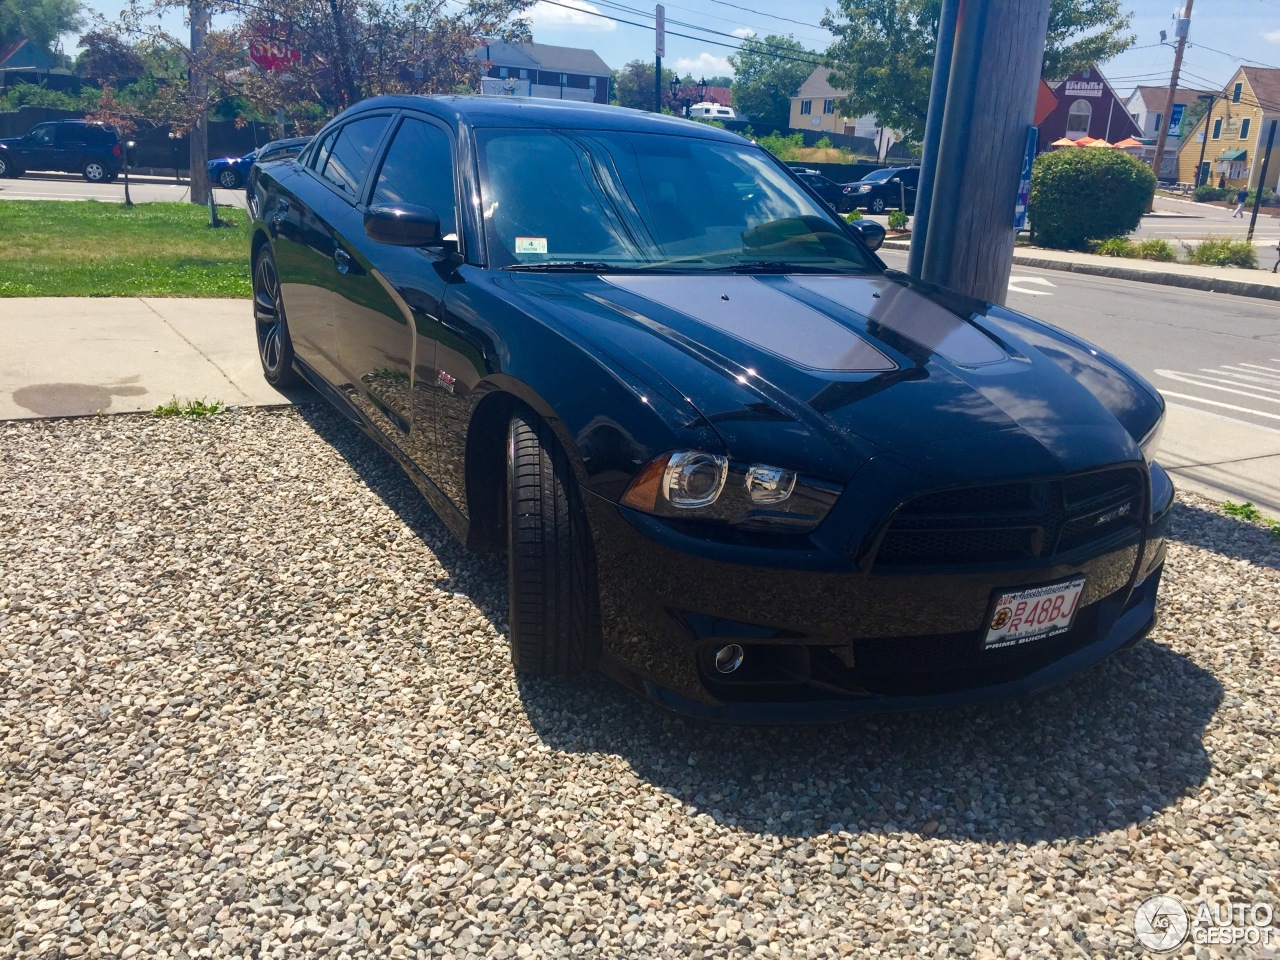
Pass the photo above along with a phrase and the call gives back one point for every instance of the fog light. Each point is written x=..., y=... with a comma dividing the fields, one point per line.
x=770, y=484
x=729, y=658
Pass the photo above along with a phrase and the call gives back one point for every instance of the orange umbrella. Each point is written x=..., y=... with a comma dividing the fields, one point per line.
x=1128, y=143
x=1063, y=142
x=1084, y=141
x=1100, y=143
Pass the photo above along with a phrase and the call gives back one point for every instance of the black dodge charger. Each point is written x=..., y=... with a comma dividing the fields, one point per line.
x=733, y=460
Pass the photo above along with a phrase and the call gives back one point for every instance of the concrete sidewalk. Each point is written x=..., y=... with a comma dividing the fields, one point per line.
x=64, y=356
x=1239, y=281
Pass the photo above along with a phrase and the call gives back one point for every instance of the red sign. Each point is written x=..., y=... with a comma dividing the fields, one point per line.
x=273, y=55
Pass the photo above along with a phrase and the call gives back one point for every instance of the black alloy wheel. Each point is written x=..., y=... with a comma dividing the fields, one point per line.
x=554, y=601
x=274, y=346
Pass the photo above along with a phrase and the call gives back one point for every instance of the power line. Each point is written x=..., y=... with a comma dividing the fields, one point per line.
x=774, y=16
x=710, y=16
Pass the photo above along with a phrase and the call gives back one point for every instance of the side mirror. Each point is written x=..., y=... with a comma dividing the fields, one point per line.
x=403, y=225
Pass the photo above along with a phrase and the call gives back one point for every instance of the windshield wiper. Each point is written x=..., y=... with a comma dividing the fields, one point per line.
x=782, y=266
x=567, y=266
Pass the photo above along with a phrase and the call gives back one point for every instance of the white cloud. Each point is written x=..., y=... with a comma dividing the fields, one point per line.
x=550, y=17
x=704, y=64
x=743, y=32
x=1272, y=36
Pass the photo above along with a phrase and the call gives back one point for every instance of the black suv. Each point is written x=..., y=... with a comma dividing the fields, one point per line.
x=76, y=146
x=881, y=190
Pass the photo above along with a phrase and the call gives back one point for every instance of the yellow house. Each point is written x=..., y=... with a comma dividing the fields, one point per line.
x=1237, y=129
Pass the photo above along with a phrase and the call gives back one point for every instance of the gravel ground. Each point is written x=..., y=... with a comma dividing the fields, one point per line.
x=255, y=702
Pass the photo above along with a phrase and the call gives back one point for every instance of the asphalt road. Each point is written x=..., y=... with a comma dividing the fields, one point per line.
x=1182, y=220
x=69, y=186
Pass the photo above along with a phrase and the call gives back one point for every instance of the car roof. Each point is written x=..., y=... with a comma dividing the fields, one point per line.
x=478, y=111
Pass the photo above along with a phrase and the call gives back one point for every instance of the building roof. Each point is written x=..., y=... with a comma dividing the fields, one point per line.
x=818, y=86
x=1265, y=82
x=1154, y=97
x=544, y=56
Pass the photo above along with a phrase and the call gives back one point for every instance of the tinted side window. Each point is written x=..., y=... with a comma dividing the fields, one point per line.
x=352, y=150
x=321, y=153
x=418, y=169
x=42, y=134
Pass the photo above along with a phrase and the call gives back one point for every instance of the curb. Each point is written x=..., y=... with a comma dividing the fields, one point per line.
x=1239, y=288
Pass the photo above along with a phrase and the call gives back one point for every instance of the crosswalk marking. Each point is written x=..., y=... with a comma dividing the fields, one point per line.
x=1215, y=403
x=1015, y=286
x=1254, y=381
x=1198, y=381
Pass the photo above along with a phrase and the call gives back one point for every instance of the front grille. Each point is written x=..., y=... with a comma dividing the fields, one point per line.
x=1013, y=521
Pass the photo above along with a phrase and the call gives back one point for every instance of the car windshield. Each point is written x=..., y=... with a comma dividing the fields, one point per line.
x=604, y=200
x=878, y=175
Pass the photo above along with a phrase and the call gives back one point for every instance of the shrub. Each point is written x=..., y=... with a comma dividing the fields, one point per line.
x=824, y=143
x=1116, y=247
x=1156, y=248
x=782, y=147
x=1078, y=195
x=852, y=215
x=897, y=220
x=1223, y=252
x=1208, y=193
x=1268, y=195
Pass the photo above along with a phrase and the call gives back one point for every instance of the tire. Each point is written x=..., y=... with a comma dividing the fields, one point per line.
x=876, y=206
x=6, y=168
x=94, y=171
x=228, y=179
x=554, y=601
x=275, y=349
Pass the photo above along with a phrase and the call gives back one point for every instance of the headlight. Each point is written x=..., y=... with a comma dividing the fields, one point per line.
x=1151, y=442
x=694, y=485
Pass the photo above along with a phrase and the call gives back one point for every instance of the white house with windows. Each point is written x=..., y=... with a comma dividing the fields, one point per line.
x=542, y=70
x=1146, y=106
x=815, y=107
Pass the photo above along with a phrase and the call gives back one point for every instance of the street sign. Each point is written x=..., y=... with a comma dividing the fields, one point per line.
x=1024, y=181
x=1175, y=118
x=272, y=55
x=659, y=31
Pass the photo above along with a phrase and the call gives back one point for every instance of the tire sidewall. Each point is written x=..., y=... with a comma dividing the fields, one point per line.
x=284, y=376
x=92, y=165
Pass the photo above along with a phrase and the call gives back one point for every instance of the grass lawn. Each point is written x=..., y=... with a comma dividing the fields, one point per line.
x=81, y=248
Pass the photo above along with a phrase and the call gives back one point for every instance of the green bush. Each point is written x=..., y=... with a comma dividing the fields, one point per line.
x=824, y=143
x=1222, y=252
x=782, y=147
x=1268, y=196
x=852, y=215
x=1079, y=195
x=38, y=95
x=897, y=220
x=1156, y=248
x=1208, y=193
x=1116, y=247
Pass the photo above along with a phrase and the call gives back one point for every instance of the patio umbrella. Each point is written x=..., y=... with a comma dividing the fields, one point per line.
x=1100, y=143
x=1129, y=143
x=1084, y=141
x=1063, y=142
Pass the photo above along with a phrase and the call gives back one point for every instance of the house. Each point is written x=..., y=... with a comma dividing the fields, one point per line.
x=1088, y=106
x=1146, y=106
x=542, y=70
x=1237, y=125
x=815, y=106
x=25, y=54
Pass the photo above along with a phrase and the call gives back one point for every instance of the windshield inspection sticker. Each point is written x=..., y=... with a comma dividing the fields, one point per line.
x=531, y=244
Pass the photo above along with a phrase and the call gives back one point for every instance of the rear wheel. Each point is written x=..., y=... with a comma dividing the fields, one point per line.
x=275, y=349
x=554, y=608
x=94, y=172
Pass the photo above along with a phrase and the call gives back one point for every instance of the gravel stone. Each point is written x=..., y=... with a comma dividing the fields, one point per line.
x=256, y=702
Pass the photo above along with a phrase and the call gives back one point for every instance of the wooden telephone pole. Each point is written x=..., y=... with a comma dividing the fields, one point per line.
x=1184, y=27
x=199, y=85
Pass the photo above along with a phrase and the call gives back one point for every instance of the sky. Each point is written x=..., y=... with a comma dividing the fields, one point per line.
x=1223, y=34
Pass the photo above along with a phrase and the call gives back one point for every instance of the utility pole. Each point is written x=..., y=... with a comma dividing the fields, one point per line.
x=199, y=86
x=1262, y=178
x=1204, y=140
x=989, y=107
x=1182, y=29
x=659, y=48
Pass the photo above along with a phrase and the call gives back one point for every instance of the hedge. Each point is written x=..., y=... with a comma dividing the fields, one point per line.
x=1087, y=193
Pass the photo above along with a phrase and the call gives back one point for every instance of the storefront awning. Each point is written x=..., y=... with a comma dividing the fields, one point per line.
x=1233, y=155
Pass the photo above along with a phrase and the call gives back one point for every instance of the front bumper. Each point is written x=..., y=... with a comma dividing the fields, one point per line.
x=825, y=640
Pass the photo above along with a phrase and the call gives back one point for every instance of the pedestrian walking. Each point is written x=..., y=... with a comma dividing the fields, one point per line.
x=1277, y=266
x=1241, y=197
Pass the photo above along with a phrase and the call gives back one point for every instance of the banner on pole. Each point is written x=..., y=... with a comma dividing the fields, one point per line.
x=1024, y=181
x=659, y=31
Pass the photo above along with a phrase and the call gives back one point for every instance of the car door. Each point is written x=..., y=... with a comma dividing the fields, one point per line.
x=911, y=187
x=71, y=146
x=39, y=147
x=389, y=316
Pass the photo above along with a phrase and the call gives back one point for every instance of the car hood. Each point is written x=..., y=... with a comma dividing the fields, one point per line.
x=822, y=373
x=10, y=141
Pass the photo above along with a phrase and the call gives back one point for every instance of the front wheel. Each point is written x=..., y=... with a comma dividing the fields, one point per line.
x=228, y=179
x=876, y=206
x=94, y=172
x=554, y=602
x=6, y=168
x=275, y=349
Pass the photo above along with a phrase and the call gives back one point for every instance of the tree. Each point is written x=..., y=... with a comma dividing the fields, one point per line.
x=633, y=86
x=767, y=74
x=884, y=51
x=40, y=22
x=106, y=54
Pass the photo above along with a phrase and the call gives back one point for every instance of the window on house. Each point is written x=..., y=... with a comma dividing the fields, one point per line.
x=806, y=107
x=503, y=72
x=1159, y=117
x=1235, y=94
x=1217, y=128
x=828, y=106
x=1244, y=129
x=1078, y=119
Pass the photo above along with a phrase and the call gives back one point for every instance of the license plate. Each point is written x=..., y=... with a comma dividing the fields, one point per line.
x=1020, y=616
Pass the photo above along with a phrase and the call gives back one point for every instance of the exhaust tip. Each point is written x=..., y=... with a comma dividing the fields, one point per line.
x=729, y=658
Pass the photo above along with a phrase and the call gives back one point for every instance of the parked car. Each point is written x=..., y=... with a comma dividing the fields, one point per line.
x=232, y=172
x=73, y=146
x=732, y=460
x=830, y=191
x=885, y=189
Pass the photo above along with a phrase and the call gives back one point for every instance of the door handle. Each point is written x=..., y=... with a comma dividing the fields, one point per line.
x=342, y=260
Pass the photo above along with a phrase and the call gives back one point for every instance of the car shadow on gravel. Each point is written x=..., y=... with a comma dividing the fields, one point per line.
x=1099, y=753
x=1228, y=536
